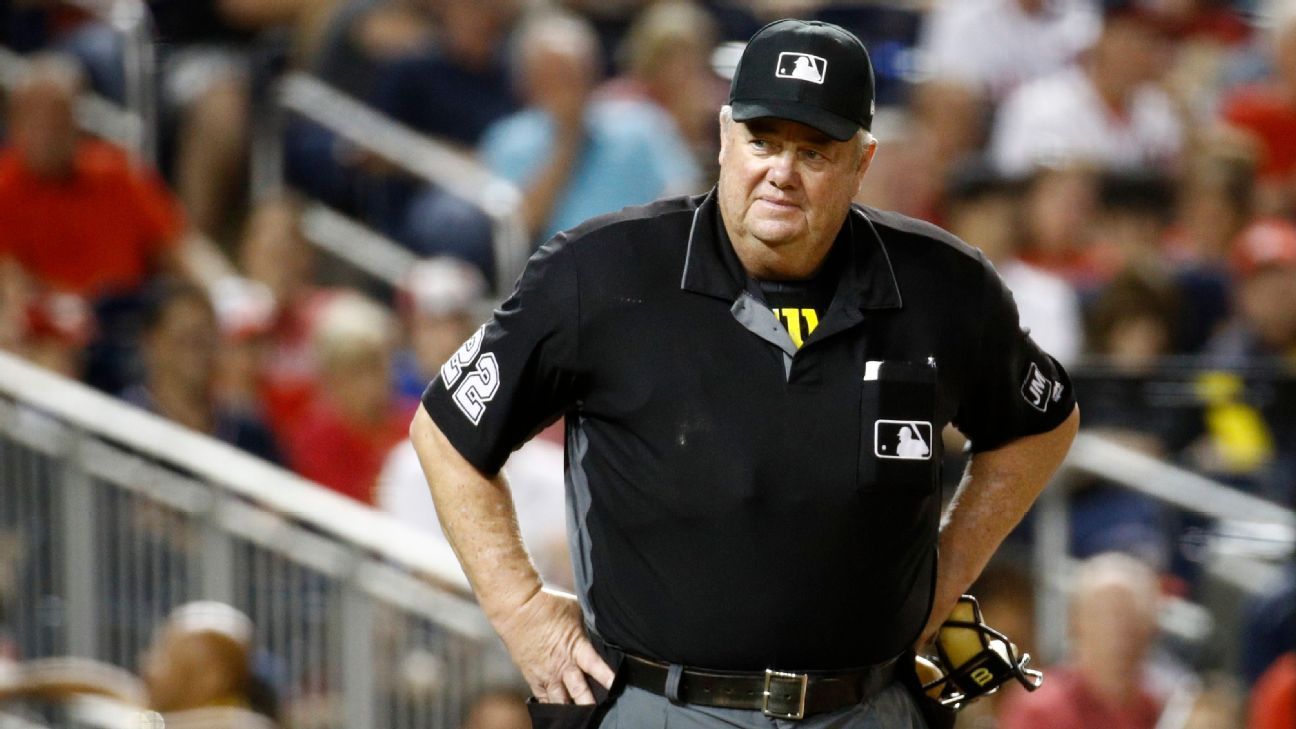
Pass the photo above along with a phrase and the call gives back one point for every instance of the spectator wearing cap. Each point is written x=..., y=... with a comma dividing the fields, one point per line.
x=1264, y=263
x=1105, y=111
x=55, y=331
x=354, y=420
x=442, y=301
x=575, y=156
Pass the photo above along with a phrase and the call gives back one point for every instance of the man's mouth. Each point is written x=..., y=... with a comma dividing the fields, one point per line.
x=778, y=204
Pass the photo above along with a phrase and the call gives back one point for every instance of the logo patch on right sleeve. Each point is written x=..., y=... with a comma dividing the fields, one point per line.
x=1038, y=390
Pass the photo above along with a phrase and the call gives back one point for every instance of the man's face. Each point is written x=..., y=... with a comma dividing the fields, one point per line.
x=1267, y=299
x=183, y=345
x=784, y=183
x=1112, y=628
x=436, y=337
x=1136, y=51
x=44, y=129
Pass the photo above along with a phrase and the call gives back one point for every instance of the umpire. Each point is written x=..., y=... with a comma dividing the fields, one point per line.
x=754, y=383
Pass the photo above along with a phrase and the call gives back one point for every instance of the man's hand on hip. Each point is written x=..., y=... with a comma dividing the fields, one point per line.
x=547, y=640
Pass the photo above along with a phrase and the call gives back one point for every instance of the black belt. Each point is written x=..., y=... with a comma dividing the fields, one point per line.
x=779, y=694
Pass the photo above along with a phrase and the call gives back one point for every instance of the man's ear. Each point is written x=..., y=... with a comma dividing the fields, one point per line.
x=866, y=159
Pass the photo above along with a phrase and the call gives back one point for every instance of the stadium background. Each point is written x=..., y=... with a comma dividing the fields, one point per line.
x=283, y=216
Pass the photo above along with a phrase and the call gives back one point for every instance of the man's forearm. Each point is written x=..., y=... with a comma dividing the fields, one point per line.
x=996, y=493
x=479, y=521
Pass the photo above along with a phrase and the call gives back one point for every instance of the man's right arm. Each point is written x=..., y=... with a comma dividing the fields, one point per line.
x=542, y=629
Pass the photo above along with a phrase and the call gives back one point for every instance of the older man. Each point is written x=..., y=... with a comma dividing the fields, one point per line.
x=735, y=370
x=1113, y=619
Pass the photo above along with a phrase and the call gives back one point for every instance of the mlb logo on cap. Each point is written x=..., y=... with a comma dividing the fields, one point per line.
x=783, y=74
x=801, y=66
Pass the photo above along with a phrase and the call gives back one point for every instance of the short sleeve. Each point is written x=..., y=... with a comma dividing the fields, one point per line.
x=517, y=373
x=1015, y=389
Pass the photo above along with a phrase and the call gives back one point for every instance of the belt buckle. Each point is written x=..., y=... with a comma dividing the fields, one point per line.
x=801, y=678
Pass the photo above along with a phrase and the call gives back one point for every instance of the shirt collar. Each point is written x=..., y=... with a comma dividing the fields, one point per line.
x=712, y=268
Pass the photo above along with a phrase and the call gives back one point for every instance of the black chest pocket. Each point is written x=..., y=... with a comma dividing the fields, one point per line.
x=900, y=448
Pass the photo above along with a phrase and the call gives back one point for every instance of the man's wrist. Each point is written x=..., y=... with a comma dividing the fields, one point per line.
x=502, y=606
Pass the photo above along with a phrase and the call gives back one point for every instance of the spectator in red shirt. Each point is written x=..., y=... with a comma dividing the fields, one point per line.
x=75, y=213
x=354, y=421
x=1267, y=113
x=1273, y=700
x=1113, y=623
x=77, y=217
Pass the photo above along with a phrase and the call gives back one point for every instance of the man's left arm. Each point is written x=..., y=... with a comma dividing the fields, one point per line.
x=996, y=491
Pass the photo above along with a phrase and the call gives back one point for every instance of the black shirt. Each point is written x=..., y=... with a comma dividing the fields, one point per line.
x=799, y=305
x=739, y=502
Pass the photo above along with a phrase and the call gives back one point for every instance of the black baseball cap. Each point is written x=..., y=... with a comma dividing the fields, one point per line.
x=808, y=71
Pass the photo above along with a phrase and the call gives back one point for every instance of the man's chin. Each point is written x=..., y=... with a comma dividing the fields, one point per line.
x=775, y=234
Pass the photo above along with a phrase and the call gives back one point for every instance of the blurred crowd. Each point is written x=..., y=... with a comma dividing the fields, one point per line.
x=1128, y=165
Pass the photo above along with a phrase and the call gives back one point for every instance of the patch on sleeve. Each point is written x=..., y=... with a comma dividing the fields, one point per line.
x=481, y=383
x=1038, y=390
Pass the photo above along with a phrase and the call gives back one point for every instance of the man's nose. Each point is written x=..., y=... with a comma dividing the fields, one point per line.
x=782, y=169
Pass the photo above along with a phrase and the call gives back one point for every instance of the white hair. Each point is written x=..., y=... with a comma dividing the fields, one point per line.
x=350, y=327
x=554, y=29
x=862, y=139
x=1116, y=568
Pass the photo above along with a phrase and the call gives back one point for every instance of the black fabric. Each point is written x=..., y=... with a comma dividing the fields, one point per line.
x=741, y=515
x=575, y=716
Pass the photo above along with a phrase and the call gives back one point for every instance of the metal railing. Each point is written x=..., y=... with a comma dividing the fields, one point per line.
x=116, y=516
x=132, y=20
x=359, y=246
x=421, y=156
x=1098, y=456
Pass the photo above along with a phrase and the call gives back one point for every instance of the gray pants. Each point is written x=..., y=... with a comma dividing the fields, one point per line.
x=636, y=708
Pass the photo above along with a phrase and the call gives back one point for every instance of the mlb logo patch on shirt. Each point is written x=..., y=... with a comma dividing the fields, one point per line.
x=801, y=66
x=908, y=440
